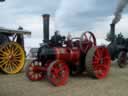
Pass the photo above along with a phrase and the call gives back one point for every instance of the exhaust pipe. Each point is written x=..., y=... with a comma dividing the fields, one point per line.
x=46, y=27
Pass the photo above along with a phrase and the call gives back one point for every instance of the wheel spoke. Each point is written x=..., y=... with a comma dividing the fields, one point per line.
x=4, y=53
x=98, y=54
x=14, y=65
x=2, y=62
x=90, y=38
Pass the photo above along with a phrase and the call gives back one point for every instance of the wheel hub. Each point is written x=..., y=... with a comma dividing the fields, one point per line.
x=11, y=57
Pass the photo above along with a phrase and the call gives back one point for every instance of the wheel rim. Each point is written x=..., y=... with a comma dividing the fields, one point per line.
x=122, y=59
x=58, y=73
x=34, y=76
x=87, y=40
x=12, y=58
x=98, y=62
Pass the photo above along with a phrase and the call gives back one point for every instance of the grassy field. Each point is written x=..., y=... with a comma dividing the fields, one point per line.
x=115, y=84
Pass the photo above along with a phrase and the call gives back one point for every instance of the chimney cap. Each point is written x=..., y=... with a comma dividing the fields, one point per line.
x=44, y=15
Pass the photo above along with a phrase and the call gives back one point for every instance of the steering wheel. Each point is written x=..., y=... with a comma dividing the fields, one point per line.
x=87, y=40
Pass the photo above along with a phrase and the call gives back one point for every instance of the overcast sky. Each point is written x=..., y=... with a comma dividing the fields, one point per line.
x=74, y=16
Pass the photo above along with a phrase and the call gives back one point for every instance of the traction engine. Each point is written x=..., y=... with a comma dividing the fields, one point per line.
x=73, y=56
x=118, y=47
x=12, y=51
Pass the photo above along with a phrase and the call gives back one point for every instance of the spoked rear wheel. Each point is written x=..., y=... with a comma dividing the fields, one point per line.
x=58, y=73
x=98, y=62
x=12, y=58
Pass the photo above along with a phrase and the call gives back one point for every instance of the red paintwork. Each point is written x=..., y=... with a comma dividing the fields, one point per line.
x=34, y=75
x=68, y=54
x=101, y=62
x=38, y=69
x=58, y=73
x=72, y=53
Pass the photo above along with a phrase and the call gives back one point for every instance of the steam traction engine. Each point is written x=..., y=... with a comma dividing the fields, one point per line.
x=71, y=56
x=118, y=47
x=12, y=54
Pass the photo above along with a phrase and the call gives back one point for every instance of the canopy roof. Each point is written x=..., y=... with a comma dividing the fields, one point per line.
x=13, y=31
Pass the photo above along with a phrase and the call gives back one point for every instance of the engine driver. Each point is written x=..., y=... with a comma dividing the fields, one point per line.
x=57, y=39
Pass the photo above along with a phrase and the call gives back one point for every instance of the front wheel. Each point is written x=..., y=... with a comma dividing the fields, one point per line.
x=34, y=75
x=58, y=73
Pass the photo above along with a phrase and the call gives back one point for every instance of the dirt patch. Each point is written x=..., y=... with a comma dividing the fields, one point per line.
x=115, y=84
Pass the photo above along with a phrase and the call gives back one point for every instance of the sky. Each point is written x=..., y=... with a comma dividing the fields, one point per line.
x=73, y=16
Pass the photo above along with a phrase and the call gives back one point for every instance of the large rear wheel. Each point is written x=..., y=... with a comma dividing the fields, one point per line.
x=12, y=58
x=98, y=62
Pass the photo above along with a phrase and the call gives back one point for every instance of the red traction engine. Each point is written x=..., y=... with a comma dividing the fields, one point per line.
x=75, y=55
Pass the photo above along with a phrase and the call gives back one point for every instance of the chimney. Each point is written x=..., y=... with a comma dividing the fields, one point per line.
x=112, y=31
x=46, y=27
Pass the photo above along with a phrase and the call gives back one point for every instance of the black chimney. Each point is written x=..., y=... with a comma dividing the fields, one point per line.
x=46, y=27
x=112, y=32
x=112, y=28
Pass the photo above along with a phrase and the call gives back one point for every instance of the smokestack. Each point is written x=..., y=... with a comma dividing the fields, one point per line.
x=112, y=32
x=112, y=26
x=46, y=27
